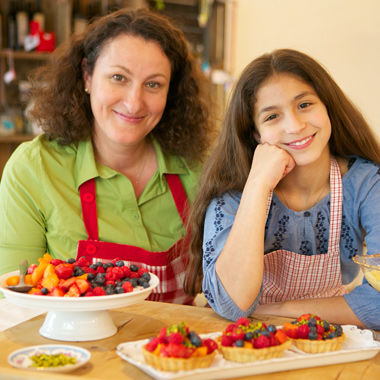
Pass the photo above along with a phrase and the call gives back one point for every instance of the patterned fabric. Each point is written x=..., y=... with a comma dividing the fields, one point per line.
x=169, y=266
x=289, y=275
x=360, y=222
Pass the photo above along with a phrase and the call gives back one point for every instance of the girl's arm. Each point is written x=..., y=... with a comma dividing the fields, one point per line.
x=239, y=266
x=332, y=309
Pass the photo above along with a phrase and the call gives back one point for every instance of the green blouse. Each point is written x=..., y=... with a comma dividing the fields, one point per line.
x=40, y=209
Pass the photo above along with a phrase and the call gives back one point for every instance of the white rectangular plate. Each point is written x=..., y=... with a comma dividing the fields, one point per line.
x=359, y=345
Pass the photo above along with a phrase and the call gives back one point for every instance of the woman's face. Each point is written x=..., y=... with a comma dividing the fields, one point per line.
x=288, y=113
x=128, y=89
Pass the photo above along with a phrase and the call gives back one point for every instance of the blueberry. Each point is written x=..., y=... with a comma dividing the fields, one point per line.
x=145, y=285
x=134, y=268
x=272, y=328
x=78, y=271
x=146, y=275
x=90, y=276
x=71, y=260
x=312, y=322
x=265, y=333
x=338, y=330
x=107, y=265
x=119, y=263
x=248, y=335
x=119, y=290
x=331, y=335
x=326, y=325
x=44, y=290
x=133, y=282
x=313, y=335
x=100, y=279
x=239, y=343
x=109, y=289
x=94, y=266
x=194, y=338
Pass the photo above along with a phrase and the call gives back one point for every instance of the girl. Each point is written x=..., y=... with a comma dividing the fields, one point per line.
x=287, y=198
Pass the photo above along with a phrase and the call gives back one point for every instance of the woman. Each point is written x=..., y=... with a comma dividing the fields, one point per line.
x=121, y=107
x=287, y=198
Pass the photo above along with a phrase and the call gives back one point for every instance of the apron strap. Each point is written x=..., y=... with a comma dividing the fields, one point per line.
x=87, y=194
x=179, y=196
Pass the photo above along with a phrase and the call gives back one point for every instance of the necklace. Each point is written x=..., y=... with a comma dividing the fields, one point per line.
x=283, y=198
x=137, y=180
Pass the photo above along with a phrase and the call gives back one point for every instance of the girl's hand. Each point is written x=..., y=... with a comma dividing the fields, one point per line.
x=270, y=165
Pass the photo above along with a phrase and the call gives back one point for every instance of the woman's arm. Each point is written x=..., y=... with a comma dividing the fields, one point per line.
x=240, y=264
x=332, y=309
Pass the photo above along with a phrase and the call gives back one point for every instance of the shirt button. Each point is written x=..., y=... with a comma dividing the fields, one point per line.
x=135, y=216
x=88, y=197
x=306, y=213
x=90, y=249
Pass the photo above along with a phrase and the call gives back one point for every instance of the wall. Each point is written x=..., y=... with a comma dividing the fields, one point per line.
x=343, y=35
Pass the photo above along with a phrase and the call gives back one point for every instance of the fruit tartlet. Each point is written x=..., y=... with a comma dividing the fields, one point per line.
x=311, y=334
x=176, y=348
x=246, y=341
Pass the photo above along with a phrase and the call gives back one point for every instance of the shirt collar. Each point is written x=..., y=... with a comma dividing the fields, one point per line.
x=86, y=167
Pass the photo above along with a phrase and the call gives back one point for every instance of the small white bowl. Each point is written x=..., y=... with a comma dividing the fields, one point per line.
x=21, y=358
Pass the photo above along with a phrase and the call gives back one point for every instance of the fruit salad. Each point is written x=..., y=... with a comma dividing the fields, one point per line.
x=80, y=278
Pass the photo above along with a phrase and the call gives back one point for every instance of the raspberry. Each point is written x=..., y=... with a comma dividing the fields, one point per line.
x=237, y=334
x=227, y=341
x=272, y=340
x=100, y=269
x=175, y=351
x=134, y=275
x=141, y=271
x=176, y=338
x=303, y=332
x=83, y=262
x=320, y=330
x=118, y=272
x=242, y=322
x=261, y=342
x=126, y=271
x=230, y=327
x=127, y=286
x=98, y=291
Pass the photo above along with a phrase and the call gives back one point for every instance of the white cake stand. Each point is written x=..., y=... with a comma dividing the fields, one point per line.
x=77, y=319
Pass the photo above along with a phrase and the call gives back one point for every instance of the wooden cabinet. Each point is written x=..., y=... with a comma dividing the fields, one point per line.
x=206, y=39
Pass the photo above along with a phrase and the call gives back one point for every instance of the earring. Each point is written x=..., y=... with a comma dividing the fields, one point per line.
x=86, y=90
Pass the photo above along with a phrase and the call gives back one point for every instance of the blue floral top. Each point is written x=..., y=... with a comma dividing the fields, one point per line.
x=306, y=232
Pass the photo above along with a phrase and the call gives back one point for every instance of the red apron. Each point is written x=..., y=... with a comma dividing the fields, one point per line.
x=168, y=265
x=289, y=275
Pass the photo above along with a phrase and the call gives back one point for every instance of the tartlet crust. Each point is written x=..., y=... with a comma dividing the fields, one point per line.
x=177, y=364
x=319, y=346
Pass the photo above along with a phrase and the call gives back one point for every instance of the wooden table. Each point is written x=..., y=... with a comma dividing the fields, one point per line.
x=142, y=321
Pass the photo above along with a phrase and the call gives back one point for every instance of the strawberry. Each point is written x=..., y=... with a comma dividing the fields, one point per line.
x=152, y=344
x=64, y=270
x=73, y=291
x=210, y=344
x=261, y=342
x=55, y=262
x=230, y=327
x=82, y=285
x=31, y=268
x=303, y=332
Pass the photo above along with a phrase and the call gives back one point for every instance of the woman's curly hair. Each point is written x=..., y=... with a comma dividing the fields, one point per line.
x=62, y=108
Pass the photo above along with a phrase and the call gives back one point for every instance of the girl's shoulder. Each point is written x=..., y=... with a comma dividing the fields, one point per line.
x=361, y=175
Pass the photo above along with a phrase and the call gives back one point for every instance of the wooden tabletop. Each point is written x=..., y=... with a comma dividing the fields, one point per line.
x=144, y=320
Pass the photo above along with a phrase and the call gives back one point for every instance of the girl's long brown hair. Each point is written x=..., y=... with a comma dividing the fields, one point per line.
x=228, y=166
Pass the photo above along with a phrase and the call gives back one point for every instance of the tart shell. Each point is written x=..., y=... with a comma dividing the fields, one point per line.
x=244, y=355
x=177, y=364
x=318, y=346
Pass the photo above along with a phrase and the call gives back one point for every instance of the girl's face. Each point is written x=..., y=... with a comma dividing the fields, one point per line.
x=128, y=89
x=289, y=114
